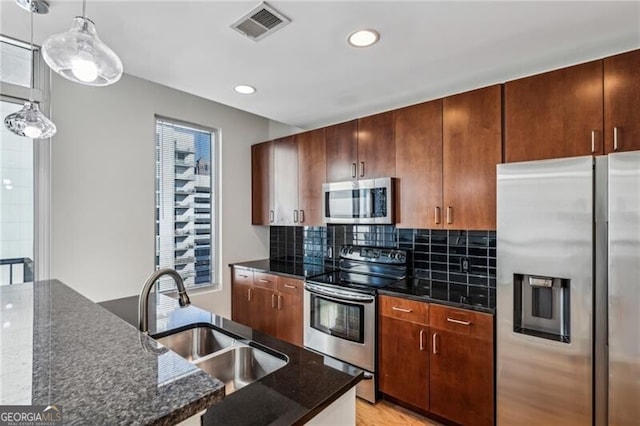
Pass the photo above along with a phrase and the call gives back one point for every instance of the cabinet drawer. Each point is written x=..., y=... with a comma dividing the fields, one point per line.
x=462, y=321
x=242, y=276
x=261, y=279
x=290, y=285
x=404, y=309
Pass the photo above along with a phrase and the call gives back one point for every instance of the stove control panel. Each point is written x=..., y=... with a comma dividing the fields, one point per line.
x=374, y=254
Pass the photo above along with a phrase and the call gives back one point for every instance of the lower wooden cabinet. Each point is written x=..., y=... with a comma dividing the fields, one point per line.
x=404, y=351
x=437, y=359
x=268, y=303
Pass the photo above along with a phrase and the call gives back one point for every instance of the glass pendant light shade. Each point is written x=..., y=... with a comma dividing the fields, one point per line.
x=30, y=122
x=80, y=56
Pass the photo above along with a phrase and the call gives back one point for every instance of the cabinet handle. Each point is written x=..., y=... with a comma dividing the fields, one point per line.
x=271, y=216
x=249, y=294
x=362, y=169
x=273, y=300
x=437, y=215
x=353, y=170
x=301, y=216
x=290, y=286
x=243, y=276
x=422, y=340
x=262, y=280
x=279, y=302
x=395, y=308
x=593, y=141
x=455, y=321
x=434, y=343
x=449, y=215
x=615, y=138
x=295, y=216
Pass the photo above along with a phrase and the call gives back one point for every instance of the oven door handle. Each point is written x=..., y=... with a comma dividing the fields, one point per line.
x=340, y=297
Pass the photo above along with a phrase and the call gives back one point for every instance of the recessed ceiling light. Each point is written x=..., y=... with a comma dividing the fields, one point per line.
x=245, y=89
x=363, y=38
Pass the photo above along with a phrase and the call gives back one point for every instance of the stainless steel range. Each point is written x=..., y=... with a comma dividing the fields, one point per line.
x=340, y=308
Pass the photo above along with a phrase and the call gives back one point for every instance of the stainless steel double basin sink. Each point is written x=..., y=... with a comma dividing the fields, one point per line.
x=236, y=363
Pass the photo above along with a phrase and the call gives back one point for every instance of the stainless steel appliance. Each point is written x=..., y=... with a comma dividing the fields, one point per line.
x=367, y=201
x=567, y=229
x=340, y=308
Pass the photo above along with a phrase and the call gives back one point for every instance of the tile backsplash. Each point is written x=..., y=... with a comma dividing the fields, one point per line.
x=463, y=261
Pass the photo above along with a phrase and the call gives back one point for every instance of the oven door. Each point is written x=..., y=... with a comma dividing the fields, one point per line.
x=340, y=324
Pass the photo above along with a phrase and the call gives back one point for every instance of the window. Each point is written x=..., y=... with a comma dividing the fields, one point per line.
x=186, y=223
x=24, y=170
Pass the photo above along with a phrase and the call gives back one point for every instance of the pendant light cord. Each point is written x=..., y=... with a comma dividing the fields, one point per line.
x=84, y=8
x=32, y=58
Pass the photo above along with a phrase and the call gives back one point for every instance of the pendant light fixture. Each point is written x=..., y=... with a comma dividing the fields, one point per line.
x=80, y=56
x=29, y=121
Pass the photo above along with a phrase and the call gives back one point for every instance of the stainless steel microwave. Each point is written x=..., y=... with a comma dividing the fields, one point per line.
x=360, y=201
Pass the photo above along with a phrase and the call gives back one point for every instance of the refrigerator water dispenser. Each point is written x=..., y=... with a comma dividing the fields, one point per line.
x=541, y=307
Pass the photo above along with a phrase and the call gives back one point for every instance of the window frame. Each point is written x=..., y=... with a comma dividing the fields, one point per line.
x=40, y=93
x=215, y=236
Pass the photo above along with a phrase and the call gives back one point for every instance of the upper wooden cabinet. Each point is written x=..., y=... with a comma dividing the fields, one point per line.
x=341, y=151
x=285, y=174
x=361, y=149
x=622, y=102
x=418, y=153
x=311, y=176
x=555, y=114
x=472, y=147
x=376, y=151
x=262, y=184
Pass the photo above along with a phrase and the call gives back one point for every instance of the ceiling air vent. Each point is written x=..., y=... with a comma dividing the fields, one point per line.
x=260, y=22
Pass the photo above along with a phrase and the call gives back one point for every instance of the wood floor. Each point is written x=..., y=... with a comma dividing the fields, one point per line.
x=384, y=413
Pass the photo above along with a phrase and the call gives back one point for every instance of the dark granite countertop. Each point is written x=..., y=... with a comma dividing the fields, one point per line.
x=291, y=395
x=423, y=290
x=293, y=269
x=62, y=349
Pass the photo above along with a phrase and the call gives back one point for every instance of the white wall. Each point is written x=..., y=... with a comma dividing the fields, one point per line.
x=103, y=171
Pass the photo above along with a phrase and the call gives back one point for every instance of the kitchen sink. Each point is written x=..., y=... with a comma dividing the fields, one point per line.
x=234, y=362
x=196, y=342
x=240, y=366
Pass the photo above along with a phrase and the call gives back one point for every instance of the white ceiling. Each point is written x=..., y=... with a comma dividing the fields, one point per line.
x=306, y=74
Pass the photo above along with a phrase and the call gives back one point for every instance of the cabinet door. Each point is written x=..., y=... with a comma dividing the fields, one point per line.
x=376, y=146
x=263, y=310
x=418, y=147
x=622, y=102
x=341, y=151
x=472, y=147
x=286, y=180
x=555, y=114
x=461, y=365
x=262, y=190
x=404, y=361
x=289, y=305
x=312, y=173
x=241, y=285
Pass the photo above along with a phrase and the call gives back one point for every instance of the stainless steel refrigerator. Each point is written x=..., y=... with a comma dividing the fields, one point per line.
x=568, y=291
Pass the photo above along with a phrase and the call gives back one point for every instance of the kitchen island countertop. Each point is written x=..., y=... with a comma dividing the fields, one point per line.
x=67, y=351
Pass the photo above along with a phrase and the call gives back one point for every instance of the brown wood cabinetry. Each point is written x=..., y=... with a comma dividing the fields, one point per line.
x=622, y=102
x=472, y=148
x=555, y=114
x=376, y=146
x=461, y=365
x=262, y=184
x=311, y=175
x=418, y=147
x=285, y=177
x=268, y=303
x=341, y=151
x=361, y=149
x=404, y=350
